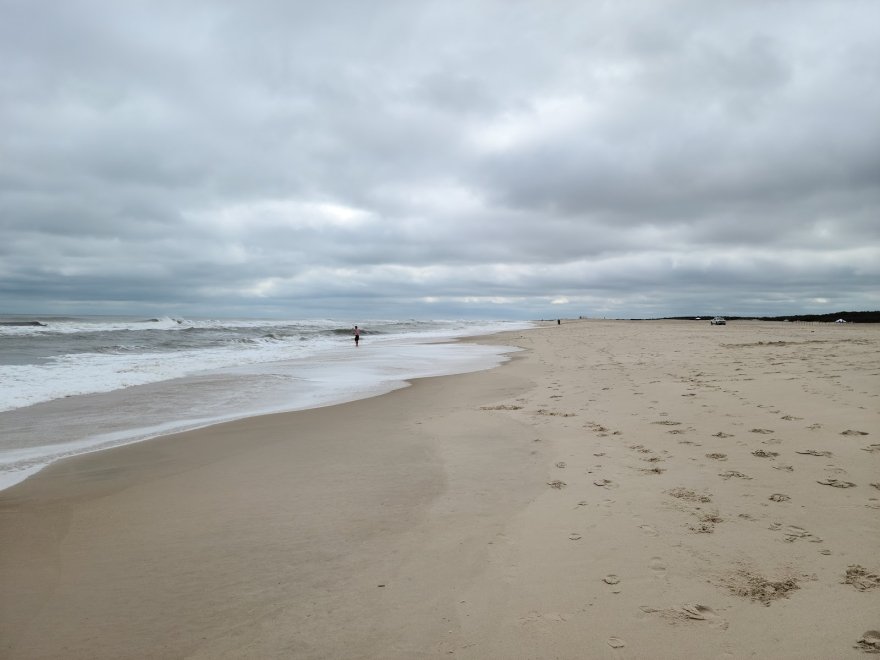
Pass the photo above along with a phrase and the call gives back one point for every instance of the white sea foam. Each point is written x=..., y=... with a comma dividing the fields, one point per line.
x=91, y=373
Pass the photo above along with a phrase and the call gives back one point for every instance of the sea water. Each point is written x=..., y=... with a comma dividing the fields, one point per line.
x=70, y=385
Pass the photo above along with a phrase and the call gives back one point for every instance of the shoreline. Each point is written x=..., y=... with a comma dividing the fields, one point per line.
x=607, y=492
x=86, y=428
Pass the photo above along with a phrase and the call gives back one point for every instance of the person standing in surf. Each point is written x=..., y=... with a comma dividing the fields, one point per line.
x=357, y=336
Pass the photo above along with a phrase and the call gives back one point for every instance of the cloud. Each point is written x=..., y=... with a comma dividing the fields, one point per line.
x=439, y=158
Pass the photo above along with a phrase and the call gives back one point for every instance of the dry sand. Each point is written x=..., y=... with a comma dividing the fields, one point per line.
x=618, y=490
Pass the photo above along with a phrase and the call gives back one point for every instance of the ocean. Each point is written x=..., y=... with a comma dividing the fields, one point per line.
x=75, y=384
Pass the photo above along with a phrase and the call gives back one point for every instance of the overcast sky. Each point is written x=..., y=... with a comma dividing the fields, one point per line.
x=443, y=159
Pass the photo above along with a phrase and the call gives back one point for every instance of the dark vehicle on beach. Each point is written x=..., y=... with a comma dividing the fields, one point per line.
x=718, y=320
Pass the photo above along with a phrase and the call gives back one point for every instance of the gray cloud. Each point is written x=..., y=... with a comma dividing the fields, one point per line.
x=439, y=158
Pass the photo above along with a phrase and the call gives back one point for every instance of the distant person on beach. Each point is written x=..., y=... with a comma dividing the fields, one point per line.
x=357, y=335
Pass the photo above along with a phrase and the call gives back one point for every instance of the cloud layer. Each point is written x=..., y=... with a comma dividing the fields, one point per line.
x=435, y=159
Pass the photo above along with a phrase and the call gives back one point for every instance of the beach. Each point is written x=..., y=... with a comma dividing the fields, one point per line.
x=618, y=489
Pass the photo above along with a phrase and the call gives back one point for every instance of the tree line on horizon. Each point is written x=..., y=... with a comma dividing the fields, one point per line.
x=849, y=317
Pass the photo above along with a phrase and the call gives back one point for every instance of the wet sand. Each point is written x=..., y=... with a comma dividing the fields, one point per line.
x=619, y=490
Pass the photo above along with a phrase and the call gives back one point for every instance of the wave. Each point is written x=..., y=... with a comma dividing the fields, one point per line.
x=101, y=354
x=22, y=324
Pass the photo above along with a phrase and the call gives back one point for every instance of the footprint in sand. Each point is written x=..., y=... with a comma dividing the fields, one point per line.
x=779, y=497
x=871, y=448
x=534, y=617
x=611, y=578
x=604, y=483
x=756, y=587
x=851, y=432
x=706, y=524
x=697, y=612
x=762, y=431
x=721, y=434
x=869, y=641
x=688, y=612
x=733, y=473
x=837, y=483
x=688, y=494
x=658, y=567
x=717, y=456
x=616, y=642
x=762, y=453
x=812, y=452
x=860, y=578
x=792, y=533
x=650, y=531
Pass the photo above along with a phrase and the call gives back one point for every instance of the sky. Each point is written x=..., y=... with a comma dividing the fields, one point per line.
x=439, y=159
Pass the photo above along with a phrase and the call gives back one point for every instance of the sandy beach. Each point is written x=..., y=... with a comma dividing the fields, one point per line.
x=653, y=489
